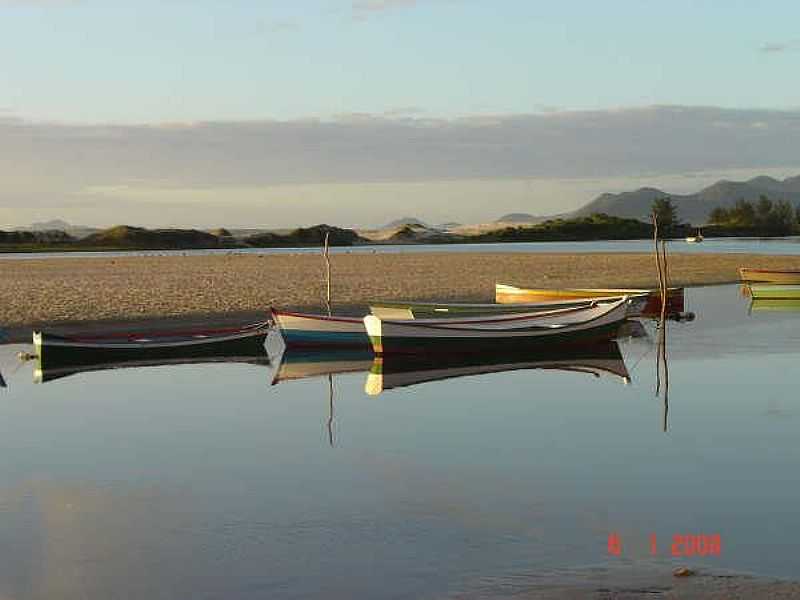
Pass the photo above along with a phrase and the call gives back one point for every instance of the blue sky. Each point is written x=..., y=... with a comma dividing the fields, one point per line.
x=386, y=73
x=145, y=61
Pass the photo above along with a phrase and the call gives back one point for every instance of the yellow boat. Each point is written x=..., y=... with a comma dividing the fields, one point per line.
x=770, y=275
x=509, y=294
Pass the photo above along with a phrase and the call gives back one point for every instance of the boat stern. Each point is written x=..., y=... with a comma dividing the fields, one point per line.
x=374, y=328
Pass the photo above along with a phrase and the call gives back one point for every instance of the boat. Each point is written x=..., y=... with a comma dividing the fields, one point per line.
x=775, y=305
x=509, y=294
x=432, y=310
x=61, y=355
x=293, y=364
x=769, y=275
x=695, y=239
x=760, y=291
x=402, y=370
x=303, y=330
x=497, y=332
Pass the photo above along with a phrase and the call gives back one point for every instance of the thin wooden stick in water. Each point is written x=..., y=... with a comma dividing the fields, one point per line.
x=660, y=287
x=330, y=409
x=326, y=254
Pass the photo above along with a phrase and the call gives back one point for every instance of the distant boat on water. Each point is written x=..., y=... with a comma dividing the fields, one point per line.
x=695, y=239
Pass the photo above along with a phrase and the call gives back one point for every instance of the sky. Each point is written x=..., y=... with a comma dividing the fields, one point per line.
x=273, y=113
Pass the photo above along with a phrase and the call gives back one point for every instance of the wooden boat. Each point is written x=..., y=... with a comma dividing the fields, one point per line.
x=293, y=364
x=301, y=330
x=770, y=275
x=775, y=305
x=66, y=354
x=497, y=332
x=760, y=291
x=509, y=294
x=403, y=370
x=432, y=310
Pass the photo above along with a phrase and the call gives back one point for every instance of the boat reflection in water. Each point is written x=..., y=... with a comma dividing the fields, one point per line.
x=395, y=371
x=300, y=364
x=775, y=305
x=62, y=356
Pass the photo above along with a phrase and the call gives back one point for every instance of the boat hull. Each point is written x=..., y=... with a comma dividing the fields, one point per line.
x=68, y=354
x=433, y=310
x=395, y=371
x=769, y=276
x=775, y=292
x=509, y=294
x=504, y=334
x=301, y=330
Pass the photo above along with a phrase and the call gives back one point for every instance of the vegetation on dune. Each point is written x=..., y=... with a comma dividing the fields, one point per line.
x=765, y=217
x=125, y=236
x=305, y=236
x=594, y=227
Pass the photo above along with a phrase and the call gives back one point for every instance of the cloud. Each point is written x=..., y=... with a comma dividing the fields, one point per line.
x=366, y=147
x=363, y=9
x=47, y=165
x=778, y=47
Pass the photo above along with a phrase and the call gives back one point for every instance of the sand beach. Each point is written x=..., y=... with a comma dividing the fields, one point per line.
x=71, y=290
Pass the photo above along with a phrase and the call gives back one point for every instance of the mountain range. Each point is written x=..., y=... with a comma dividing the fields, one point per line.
x=694, y=208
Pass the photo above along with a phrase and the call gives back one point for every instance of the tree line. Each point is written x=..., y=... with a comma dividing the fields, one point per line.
x=764, y=217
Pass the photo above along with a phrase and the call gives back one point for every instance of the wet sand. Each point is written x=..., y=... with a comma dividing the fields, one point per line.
x=633, y=581
x=231, y=287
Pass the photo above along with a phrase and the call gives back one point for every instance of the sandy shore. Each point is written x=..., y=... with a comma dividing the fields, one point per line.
x=90, y=289
x=636, y=582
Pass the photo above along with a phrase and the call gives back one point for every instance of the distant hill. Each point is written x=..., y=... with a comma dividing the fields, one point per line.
x=694, y=208
x=518, y=218
x=404, y=221
x=305, y=236
x=125, y=236
x=76, y=231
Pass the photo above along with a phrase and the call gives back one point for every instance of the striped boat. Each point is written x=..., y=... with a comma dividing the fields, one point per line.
x=497, y=333
x=760, y=291
x=62, y=355
x=770, y=275
x=396, y=371
x=301, y=330
x=509, y=294
x=775, y=305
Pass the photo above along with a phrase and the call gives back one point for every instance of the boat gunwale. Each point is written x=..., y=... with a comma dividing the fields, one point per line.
x=439, y=325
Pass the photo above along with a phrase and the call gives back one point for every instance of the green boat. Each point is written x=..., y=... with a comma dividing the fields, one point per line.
x=432, y=310
x=775, y=305
x=775, y=292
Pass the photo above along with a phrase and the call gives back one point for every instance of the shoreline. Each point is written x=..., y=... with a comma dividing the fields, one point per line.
x=638, y=581
x=93, y=292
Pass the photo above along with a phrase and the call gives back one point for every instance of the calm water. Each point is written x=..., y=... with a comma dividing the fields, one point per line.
x=206, y=481
x=787, y=245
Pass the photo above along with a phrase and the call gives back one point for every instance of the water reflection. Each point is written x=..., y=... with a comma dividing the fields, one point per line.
x=395, y=371
x=130, y=482
x=50, y=366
